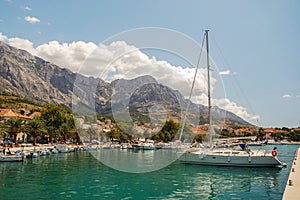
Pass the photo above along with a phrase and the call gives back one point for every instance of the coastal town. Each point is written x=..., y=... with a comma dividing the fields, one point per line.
x=19, y=135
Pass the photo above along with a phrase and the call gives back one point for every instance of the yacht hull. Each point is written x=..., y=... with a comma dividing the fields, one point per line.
x=243, y=160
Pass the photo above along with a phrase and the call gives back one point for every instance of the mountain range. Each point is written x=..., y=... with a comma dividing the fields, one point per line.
x=140, y=99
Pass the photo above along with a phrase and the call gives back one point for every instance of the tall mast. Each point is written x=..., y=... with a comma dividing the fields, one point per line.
x=208, y=88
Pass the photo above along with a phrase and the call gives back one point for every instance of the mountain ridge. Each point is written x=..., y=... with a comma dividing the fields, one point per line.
x=27, y=75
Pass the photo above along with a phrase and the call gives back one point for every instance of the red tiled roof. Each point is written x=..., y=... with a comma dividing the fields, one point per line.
x=4, y=111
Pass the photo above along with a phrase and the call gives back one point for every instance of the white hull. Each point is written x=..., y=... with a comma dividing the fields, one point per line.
x=11, y=158
x=62, y=148
x=148, y=146
x=231, y=158
x=137, y=147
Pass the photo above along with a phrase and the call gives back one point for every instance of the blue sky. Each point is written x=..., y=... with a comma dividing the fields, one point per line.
x=259, y=40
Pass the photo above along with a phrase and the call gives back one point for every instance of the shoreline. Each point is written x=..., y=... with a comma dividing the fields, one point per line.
x=30, y=147
x=39, y=147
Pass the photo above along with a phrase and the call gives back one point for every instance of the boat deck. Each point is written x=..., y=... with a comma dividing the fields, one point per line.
x=292, y=189
x=233, y=152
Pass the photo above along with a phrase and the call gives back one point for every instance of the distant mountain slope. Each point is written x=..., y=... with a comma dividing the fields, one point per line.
x=26, y=75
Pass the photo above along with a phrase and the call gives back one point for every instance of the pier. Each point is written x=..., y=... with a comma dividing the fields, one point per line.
x=292, y=189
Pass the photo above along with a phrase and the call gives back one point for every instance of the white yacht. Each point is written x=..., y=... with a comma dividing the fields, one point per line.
x=242, y=157
x=231, y=157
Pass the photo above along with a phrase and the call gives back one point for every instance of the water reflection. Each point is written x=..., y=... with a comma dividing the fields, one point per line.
x=231, y=182
x=135, y=161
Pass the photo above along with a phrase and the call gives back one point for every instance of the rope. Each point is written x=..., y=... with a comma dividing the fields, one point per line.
x=235, y=81
x=191, y=91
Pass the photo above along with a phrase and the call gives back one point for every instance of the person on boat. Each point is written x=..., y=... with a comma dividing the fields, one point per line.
x=274, y=152
x=3, y=151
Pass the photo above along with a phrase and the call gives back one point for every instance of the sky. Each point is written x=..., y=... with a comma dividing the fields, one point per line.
x=254, y=44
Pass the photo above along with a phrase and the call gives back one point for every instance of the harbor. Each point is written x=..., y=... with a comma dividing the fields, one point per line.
x=79, y=175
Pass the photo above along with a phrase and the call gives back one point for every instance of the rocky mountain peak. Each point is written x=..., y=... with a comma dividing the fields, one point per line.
x=26, y=75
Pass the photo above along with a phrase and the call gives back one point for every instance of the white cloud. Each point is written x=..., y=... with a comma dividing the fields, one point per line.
x=32, y=20
x=226, y=72
x=240, y=111
x=286, y=96
x=26, y=8
x=22, y=44
x=228, y=105
x=2, y=37
x=70, y=55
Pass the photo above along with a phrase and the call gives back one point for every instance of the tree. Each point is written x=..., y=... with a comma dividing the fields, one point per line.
x=59, y=122
x=15, y=126
x=168, y=132
x=35, y=127
x=200, y=137
x=53, y=118
x=261, y=134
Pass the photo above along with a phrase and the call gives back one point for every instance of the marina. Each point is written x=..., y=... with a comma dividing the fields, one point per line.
x=78, y=175
x=154, y=100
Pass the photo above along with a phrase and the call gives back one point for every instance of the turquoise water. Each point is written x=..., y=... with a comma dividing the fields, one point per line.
x=81, y=176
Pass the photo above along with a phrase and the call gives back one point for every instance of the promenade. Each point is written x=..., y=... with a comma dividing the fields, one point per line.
x=292, y=189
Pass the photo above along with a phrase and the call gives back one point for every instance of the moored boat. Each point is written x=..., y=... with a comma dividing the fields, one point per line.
x=62, y=148
x=232, y=157
x=137, y=146
x=148, y=146
x=209, y=155
x=11, y=158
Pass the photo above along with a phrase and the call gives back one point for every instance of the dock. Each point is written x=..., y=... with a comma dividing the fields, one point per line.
x=292, y=189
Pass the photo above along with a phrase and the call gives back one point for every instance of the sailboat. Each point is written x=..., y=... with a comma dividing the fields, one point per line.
x=242, y=157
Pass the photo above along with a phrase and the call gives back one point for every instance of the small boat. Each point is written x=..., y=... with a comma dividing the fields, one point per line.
x=54, y=151
x=148, y=146
x=33, y=154
x=62, y=148
x=45, y=152
x=11, y=158
x=137, y=146
x=91, y=148
x=125, y=146
x=271, y=142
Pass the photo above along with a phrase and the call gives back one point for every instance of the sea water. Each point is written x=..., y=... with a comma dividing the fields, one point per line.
x=81, y=176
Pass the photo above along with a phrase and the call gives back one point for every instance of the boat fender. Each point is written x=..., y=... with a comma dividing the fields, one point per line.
x=284, y=165
x=249, y=159
x=228, y=159
x=274, y=153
